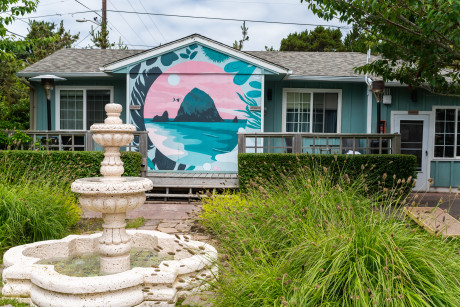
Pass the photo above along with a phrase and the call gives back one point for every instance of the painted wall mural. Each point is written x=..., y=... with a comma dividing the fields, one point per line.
x=193, y=102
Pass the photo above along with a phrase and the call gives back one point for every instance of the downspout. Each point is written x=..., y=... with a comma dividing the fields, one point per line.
x=369, y=97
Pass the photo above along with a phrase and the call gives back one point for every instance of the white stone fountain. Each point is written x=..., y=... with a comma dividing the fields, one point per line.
x=190, y=269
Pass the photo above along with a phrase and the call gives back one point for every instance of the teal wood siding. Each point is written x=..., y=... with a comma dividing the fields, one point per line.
x=354, y=103
x=445, y=173
x=401, y=101
x=119, y=93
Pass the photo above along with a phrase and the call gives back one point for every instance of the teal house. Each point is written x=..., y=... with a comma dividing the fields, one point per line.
x=196, y=103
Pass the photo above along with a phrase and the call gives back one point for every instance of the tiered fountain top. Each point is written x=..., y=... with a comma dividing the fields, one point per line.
x=112, y=134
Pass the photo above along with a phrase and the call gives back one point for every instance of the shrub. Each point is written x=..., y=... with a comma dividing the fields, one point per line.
x=60, y=166
x=316, y=240
x=35, y=210
x=378, y=170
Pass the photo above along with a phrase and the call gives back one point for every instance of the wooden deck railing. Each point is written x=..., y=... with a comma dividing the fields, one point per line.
x=78, y=140
x=319, y=143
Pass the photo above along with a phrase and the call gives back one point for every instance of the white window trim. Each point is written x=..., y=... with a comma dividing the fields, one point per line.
x=312, y=91
x=57, y=109
x=432, y=134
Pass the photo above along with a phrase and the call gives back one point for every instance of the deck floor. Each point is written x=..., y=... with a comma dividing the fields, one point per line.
x=193, y=179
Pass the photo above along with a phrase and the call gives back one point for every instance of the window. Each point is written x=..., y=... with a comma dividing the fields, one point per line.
x=447, y=133
x=308, y=110
x=78, y=109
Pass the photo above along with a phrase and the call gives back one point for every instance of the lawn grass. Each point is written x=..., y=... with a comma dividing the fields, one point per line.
x=307, y=242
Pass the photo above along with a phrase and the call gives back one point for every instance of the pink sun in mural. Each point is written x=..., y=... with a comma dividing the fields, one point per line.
x=169, y=89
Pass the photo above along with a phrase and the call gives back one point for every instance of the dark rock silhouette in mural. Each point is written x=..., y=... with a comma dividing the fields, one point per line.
x=198, y=106
x=162, y=118
x=235, y=120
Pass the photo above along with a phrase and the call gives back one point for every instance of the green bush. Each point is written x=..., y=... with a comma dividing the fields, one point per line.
x=316, y=240
x=378, y=170
x=61, y=165
x=35, y=210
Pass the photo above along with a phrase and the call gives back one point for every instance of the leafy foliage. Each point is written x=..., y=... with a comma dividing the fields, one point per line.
x=244, y=31
x=419, y=41
x=316, y=240
x=43, y=39
x=320, y=39
x=380, y=171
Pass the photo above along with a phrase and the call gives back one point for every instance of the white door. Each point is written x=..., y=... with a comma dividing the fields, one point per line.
x=414, y=141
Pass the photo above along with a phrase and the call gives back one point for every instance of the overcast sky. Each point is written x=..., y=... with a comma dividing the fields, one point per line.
x=141, y=31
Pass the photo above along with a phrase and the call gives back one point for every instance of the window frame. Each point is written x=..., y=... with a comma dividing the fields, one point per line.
x=57, y=110
x=312, y=92
x=433, y=134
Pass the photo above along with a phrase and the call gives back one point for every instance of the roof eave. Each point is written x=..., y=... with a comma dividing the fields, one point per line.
x=191, y=40
x=64, y=74
x=325, y=78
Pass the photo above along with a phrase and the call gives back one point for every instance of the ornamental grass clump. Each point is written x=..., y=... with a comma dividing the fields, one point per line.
x=310, y=241
x=34, y=207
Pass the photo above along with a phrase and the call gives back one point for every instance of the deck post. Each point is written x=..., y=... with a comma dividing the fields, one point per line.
x=396, y=144
x=89, y=144
x=143, y=149
x=241, y=143
x=297, y=143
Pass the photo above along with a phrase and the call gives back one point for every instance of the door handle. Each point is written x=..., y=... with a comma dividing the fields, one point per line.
x=426, y=153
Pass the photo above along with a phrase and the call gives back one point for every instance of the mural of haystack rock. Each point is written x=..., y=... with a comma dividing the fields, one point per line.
x=198, y=107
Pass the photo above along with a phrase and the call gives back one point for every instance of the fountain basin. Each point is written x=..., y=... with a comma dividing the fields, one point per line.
x=109, y=195
x=189, y=271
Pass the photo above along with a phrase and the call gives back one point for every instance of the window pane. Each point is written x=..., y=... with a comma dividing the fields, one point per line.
x=95, y=103
x=71, y=104
x=298, y=112
x=445, y=133
x=325, y=107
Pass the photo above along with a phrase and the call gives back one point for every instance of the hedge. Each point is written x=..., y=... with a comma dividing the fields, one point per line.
x=258, y=167
x=66, y=165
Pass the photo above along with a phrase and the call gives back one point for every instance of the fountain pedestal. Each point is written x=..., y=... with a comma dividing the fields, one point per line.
x=112, y=194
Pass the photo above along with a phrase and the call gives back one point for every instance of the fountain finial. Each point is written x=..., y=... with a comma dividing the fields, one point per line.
x=113, y=113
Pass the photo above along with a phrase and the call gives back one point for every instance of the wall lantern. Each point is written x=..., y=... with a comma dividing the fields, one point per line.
x=48, y=86
x=378, y=88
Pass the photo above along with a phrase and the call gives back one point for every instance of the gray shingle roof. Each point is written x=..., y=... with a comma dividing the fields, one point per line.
x=78, y=60
x=339, y=64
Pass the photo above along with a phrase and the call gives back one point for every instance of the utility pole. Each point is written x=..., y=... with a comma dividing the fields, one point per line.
x=104, y=34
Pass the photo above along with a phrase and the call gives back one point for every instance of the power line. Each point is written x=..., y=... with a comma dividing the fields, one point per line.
x=226, y=19
x=85, y=37
x=15, y=33
x=198, y=17
x=129, y=25
x=151, y=19
x=147, y=28
x=88, y=8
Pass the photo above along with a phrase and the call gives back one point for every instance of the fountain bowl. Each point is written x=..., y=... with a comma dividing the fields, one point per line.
x=39, y=284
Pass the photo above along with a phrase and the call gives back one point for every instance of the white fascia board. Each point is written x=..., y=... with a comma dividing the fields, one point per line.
x=201, y=40
x=325, y=78
x=64, y=74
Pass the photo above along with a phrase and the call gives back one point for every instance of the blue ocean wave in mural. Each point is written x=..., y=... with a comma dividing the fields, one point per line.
x=194, y=143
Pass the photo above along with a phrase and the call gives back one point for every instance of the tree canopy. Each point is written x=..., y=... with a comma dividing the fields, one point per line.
x=418, y=41
x=43, y=39
x=320, y=39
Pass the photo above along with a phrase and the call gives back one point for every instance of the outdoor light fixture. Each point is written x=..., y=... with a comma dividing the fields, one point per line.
x=48, y=86
x=378, y=88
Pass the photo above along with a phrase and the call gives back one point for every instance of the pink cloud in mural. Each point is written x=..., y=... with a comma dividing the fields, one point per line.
x=170, y=88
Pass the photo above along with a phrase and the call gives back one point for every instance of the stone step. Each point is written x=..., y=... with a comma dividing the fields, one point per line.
x=434, y=220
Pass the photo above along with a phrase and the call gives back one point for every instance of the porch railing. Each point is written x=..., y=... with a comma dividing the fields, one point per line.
x=78, y=140
x=319, y=143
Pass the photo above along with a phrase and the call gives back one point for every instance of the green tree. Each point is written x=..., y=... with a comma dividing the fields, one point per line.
x=244, y=31
x=43, y=39
x=356, y=41
x=418, y=41
x=319, y=39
